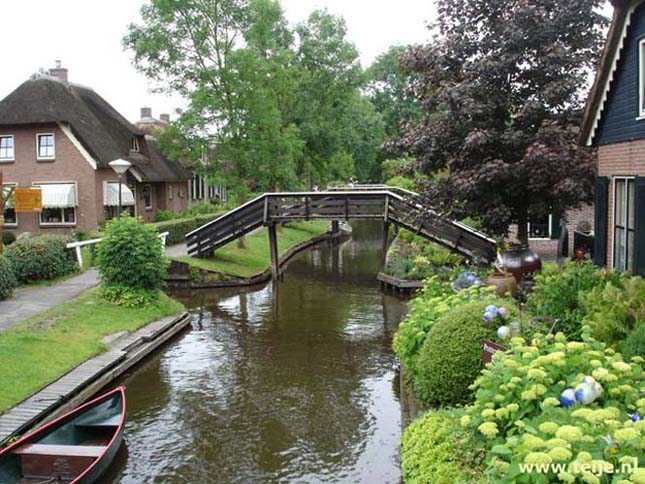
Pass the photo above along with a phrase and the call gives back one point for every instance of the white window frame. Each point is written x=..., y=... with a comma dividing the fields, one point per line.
x=45, y=158
x=169, y=190
x=5, y=224
x=143, y=195
x=58, y=224
x=641, y=79
x=13, y=139
x=550, y=237
x=626, y=229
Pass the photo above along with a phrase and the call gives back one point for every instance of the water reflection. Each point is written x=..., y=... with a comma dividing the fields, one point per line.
x=291, y=382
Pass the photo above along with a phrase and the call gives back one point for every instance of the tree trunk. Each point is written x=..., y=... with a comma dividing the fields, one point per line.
x=523, y=230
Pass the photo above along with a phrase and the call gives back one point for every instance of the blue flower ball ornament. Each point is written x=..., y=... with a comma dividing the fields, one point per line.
x=492, y=309
x=635, y=417
x=568, y=398
x=585, y=393
x=488, y=317
x=504, y=333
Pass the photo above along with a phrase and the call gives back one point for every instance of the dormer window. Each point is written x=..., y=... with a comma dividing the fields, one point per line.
x=641, y=78
x=135, y=144
x=45, y=146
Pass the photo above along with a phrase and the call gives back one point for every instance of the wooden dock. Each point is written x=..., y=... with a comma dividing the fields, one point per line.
x=88, y=378
x=402, y=285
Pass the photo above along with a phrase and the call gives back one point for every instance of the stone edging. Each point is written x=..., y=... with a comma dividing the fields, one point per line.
x=86, y=379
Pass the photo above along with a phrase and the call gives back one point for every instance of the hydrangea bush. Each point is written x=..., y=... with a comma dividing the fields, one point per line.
x=518, y=418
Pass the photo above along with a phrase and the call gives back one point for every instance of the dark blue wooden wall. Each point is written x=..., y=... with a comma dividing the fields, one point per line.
x=618, y=122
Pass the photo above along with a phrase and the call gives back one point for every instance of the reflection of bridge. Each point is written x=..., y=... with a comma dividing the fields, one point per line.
x=391, y=205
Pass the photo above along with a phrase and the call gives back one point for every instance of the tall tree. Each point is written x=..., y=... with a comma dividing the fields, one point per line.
x=230, y=60
x=502, y=89
x=387, y=88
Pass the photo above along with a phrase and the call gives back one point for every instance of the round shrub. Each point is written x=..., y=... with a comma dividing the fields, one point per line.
x=451, y=357
x=435, y=448
x=7, y=278
x=131, y=262
x=41, y=258
x=8, y=238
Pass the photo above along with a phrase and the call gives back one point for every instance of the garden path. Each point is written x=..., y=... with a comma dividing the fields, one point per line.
x=28, y=302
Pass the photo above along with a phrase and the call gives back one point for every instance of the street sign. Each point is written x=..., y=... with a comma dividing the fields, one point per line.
x=28, y=200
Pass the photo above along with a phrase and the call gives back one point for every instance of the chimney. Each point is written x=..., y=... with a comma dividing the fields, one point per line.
x=165, y=118
x=59, y=72
x=146, y=113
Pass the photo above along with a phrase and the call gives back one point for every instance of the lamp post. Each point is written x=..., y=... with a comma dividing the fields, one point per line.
x=120, y=167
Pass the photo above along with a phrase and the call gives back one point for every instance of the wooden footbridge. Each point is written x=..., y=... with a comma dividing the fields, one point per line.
x=390, y=205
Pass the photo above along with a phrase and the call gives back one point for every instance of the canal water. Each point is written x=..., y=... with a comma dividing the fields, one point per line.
x=291, y=382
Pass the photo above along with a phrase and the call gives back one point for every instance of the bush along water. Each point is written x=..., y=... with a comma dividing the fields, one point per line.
x=41, y=258
x=573, y=407
x=131, y=263
x=8, y=280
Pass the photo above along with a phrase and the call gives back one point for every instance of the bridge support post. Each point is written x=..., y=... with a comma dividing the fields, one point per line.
x=273, y=248
x=385, y=245
x=335, y=227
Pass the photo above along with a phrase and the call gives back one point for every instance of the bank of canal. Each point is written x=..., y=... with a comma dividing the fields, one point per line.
x=290, y=382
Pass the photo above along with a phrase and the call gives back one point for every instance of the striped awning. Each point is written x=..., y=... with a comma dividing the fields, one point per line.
x=59, y=195
x=5, y=192
x=111, y=196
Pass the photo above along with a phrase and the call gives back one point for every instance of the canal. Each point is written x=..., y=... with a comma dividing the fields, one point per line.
x=291, y=382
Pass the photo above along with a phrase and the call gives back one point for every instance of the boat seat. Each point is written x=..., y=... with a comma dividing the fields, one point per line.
x=61, y=450
x=105, y=422
x=65, y=462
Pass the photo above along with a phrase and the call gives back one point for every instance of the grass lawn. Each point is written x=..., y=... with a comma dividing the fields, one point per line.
x=43, y=348
x=255, y=257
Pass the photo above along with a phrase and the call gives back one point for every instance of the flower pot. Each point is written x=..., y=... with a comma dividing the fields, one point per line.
x=504, y=282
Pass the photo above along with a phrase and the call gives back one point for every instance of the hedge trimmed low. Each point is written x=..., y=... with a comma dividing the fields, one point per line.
x=7, y=278
x=178, y=228
x=41, y=258
x=8, y=238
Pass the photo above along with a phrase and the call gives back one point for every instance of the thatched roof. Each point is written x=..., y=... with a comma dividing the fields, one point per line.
x=104, y=133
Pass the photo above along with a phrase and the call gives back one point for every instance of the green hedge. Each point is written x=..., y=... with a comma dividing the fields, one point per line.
x=8, y=238
x=435, y=449
x=7, y=278
x=41, y=258
x=180, y=227
x=451, y=357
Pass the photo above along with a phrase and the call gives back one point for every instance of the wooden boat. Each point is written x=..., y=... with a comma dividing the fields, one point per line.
x=76, y=448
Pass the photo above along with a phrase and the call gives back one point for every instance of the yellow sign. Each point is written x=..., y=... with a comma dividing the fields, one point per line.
x=28, y=200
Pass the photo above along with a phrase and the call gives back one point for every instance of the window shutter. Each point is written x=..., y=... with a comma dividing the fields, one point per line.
x=639, y=233
x=601, y=219
x=556, y=220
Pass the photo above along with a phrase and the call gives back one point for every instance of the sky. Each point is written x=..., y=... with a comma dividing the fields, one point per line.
x=86, y=36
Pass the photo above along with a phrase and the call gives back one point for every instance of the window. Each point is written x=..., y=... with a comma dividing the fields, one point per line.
x=197, y=186
x=641, y=78
x=624, y=208
x=6, y=148
x=45, y=148
x=10, y=217
x=540, y=227
x=58, y=216
x=135, y=144
x=147, y=196
x=169, y=191
x=59, y=203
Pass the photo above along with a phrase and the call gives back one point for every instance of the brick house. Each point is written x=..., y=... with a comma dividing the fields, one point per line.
x=60, y=136
x=614, y=122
